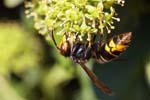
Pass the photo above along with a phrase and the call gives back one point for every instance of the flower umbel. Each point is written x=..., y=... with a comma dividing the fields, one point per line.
x=73, y=16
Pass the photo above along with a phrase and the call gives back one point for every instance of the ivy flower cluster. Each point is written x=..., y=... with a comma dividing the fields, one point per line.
x=73, y=16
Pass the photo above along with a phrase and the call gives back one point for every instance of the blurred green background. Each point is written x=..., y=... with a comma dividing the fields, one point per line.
x=31, y=68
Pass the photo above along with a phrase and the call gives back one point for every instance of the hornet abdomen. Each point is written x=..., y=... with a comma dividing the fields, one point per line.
x=112, y=48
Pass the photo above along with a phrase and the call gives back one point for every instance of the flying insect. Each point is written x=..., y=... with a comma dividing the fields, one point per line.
x=102, y=51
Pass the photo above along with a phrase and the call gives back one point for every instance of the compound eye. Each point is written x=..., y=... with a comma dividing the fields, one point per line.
x=65, y=47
